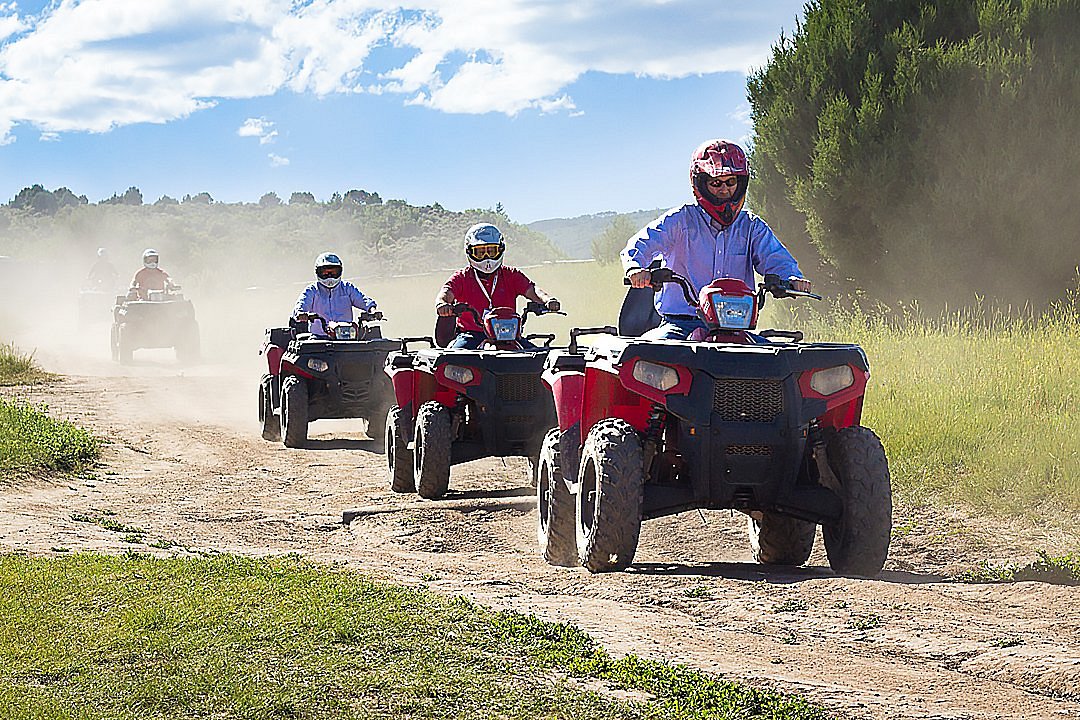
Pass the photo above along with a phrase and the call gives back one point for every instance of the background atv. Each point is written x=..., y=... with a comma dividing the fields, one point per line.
x=164, y=319
x=458, y=405
x=761, y=423
x=311, y=378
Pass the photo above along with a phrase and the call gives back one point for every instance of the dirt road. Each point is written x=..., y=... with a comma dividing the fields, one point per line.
x=185, y=471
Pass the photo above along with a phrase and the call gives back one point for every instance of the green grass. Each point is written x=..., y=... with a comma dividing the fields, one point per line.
x=89, y=636
x=17, y=368
x=982, y=412
x=1059, y=570
x=31, y=441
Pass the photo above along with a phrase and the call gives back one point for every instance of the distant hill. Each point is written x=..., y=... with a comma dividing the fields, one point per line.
x=574, y=236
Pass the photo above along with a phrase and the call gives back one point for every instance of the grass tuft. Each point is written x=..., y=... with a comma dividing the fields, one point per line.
x=31, y=440
x=17, y=368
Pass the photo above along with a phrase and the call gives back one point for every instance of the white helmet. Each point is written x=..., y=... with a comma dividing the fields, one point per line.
x=101, y=252
x=328, y=270
x=150, y=258
x=484, y=247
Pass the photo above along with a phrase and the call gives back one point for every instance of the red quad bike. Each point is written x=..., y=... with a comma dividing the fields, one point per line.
x=312, y=378
x=457, y=405
x=763, y=423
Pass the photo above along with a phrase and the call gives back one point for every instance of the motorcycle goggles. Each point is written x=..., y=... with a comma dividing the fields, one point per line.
x=487, y=251
x=328, y=271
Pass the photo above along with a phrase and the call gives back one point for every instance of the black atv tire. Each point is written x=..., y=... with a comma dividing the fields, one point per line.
x=431, y=451
x=780, y=539
x=858, y=544
x=271, y=424
x=399, y=459
x=555, y=531
x=294, y=411
x=609, y=496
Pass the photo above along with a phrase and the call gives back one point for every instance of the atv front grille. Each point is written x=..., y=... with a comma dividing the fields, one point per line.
x=748, y=400
x=759, y=450
x=517, y=387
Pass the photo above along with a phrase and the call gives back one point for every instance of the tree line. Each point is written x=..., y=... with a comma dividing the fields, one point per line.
x=211, y=243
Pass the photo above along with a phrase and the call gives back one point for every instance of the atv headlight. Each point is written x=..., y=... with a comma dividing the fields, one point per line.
x=345, y=332
x=505, y=329
x=733, y=313
x=460, y=375
x=655, y=375
x=832, y=380
x=317, y=365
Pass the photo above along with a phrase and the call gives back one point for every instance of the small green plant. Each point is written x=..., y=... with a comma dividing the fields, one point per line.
x=700, y=592
x=791, y=605
x=868, y=621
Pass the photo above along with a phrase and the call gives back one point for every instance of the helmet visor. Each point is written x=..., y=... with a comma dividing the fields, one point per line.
x=328, y=271
x=487, y=251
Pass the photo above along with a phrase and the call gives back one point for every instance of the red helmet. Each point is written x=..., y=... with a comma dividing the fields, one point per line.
x=713, y=159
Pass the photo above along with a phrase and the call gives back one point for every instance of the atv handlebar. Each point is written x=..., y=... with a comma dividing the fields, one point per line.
x=778, y=287
x=661, y=275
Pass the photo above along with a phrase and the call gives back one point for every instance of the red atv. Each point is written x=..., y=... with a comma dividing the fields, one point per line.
x=763, y=423
x=311, y=377
x=456, y=405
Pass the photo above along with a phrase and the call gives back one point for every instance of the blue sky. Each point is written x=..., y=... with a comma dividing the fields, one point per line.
x=554, y=108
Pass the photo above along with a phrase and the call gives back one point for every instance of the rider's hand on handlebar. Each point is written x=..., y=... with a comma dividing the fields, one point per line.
x=640, y=278
x=799, y=284
x=553, y=305
x=444, y=309
x=302, y=317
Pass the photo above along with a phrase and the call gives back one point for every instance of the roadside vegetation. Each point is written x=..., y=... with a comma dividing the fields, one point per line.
x=132, y=637
x=30, y=439
x=18, y=368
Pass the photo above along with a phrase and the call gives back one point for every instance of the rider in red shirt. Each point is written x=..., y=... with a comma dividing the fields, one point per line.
x=149, y=277
x=486, y=283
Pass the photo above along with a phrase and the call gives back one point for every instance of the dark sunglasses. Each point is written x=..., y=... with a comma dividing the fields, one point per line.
x=717, y=182
x=328, y=272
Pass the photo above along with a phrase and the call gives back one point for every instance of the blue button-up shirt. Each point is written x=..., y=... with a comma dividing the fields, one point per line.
x=334, y=304
x=701, y=250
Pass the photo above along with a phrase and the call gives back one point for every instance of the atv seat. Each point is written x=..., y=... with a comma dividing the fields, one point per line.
x=445, y=330
x=638, y=313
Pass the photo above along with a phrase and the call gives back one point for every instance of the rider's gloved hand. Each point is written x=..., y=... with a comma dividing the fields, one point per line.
x=444, y=309
x=640, y=278
x=799, y=284
x=302, y=317
x=553, y=304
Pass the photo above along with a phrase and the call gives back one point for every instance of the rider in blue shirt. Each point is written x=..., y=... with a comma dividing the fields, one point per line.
x=709, y=239
x=330, y=296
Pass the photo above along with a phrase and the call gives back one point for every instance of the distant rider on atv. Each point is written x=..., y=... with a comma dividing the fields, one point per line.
x=706, y=240
x=485, y=284
x=102, y=274
x=149, y=278
x=329, y=296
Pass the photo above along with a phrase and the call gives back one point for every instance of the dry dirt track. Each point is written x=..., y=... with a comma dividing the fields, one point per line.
x=184, y=463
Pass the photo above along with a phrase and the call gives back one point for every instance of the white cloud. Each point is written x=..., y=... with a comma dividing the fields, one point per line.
x=49, y=137
x=277, y=160
x=260, y=128
x=93, y=65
